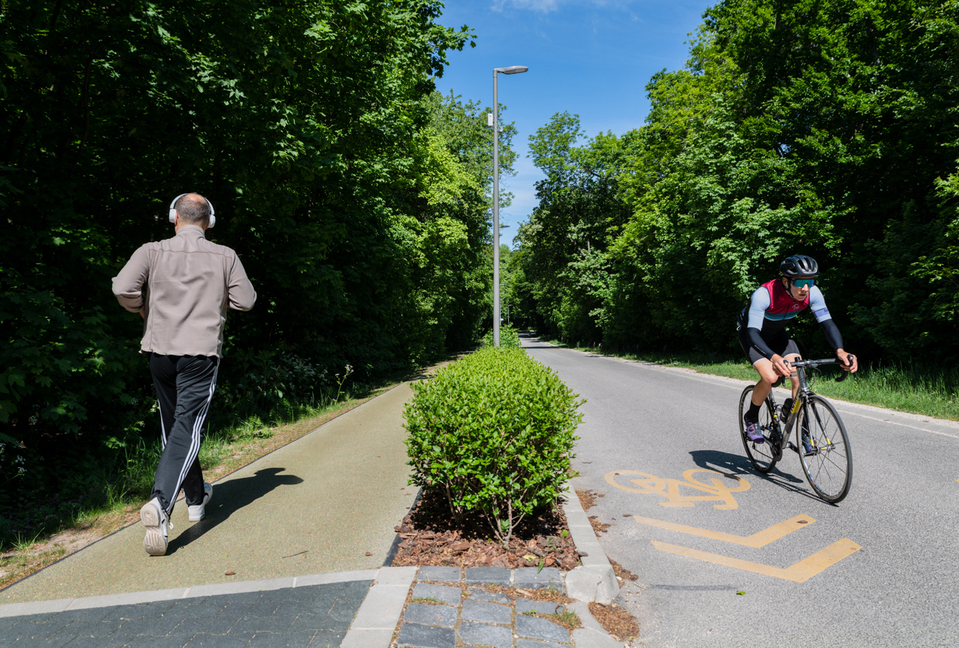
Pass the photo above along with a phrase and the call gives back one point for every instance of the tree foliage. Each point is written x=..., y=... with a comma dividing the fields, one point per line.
x=562, y=272
x=824, y=128
x=356, y=197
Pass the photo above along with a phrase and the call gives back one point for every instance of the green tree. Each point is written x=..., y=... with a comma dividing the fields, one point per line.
x=858, y=95
x=824, y=128
x=306, y=124
x=463, y=192
x=564, y=268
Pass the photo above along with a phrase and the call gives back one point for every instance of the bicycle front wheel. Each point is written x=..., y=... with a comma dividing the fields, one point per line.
x=829, y=468
x=762, y=455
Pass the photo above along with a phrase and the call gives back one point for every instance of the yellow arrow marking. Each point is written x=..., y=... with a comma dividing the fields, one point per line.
x=798, y=573
x=756, y=540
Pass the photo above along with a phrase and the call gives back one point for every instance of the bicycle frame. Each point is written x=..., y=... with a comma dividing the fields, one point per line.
x=821, y=443
x=785, y=427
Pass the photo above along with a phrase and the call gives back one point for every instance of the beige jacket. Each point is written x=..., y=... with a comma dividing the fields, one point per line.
x=190, y=282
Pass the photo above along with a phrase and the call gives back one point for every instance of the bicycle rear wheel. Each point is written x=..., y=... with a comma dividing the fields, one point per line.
x=762, y=455
x=829, y=471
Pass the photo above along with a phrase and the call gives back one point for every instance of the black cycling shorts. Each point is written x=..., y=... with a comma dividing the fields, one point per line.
x=780, y=343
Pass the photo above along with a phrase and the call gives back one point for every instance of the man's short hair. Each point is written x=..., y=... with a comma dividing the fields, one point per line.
x=193, y=209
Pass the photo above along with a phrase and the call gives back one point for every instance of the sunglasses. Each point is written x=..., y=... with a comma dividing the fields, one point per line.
x=799, y=283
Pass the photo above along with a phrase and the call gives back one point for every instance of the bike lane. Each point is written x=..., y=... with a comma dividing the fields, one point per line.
x=726, y=556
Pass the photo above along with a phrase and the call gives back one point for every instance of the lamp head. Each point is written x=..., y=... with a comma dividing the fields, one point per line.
x=513, y=69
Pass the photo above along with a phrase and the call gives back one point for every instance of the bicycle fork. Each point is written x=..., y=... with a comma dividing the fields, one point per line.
x=787, y=420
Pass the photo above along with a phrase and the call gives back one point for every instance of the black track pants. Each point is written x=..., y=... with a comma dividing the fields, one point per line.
x=184, y=387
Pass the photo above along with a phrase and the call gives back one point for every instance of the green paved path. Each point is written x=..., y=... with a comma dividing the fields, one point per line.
x=325, y=503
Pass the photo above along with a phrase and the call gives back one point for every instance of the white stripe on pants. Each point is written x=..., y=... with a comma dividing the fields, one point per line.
x=185, y=386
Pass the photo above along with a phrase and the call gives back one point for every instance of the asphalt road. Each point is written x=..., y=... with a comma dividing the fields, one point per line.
x=726, y=556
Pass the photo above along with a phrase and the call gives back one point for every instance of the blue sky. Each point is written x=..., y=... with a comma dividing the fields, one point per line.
x=592, y=58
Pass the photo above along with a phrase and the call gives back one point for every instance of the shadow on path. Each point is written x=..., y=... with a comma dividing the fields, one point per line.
x=232, y=495
x=734, y=465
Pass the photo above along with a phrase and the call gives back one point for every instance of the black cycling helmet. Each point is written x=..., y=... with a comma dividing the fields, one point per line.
x=799, y=265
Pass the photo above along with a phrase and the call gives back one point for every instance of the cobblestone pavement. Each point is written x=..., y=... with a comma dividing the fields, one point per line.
x=448, y=608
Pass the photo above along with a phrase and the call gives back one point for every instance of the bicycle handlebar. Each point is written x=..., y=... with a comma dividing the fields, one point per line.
x=815, y=363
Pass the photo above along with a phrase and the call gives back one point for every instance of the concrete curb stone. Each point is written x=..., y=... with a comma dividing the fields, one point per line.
x=376, y=620
x=595, y=580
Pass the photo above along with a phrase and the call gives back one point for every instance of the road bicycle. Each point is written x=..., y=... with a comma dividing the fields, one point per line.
x=821, y=440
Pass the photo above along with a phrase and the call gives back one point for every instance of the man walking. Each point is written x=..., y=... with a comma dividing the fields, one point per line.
x=182, y=287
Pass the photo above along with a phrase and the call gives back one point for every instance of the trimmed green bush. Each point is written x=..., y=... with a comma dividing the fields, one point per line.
x=494, y=432
x=508, y=337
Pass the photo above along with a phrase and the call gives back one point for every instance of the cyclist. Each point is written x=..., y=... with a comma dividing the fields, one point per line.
x=762, y=334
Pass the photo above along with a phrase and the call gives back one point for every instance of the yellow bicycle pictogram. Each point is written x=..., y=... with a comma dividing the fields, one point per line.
x=718, y=489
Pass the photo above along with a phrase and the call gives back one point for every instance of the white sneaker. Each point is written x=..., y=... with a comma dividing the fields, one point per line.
x=157, y=524
x=198, y=512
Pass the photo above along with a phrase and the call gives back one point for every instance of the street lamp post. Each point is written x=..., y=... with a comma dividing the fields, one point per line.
x=513, y=69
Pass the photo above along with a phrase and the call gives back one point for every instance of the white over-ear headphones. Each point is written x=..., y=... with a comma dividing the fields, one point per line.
x=173, y=210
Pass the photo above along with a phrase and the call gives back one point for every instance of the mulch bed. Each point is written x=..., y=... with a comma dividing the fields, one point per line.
x=430, y=537
x=619, y=623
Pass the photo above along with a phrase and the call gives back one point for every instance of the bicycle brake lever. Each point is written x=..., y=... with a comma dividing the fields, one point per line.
x=844, y=374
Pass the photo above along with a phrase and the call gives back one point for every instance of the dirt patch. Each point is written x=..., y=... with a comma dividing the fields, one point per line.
x=20, y=563
x=598, y=527
x=621, y=572
x=619, y=623
x=587, y=498
x=430, y=537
